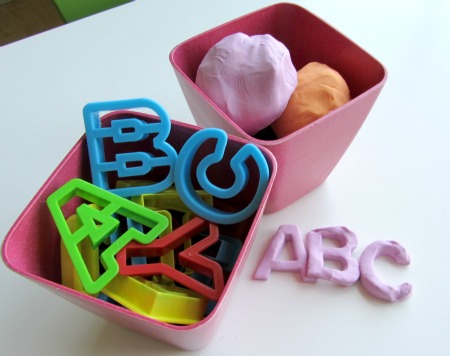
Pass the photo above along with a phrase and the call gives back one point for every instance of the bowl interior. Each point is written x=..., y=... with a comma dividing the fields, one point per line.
x=32, y=246
x=307, y=37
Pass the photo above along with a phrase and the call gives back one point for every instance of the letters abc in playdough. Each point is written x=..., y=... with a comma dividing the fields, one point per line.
x=309, y=262
x=250, y=78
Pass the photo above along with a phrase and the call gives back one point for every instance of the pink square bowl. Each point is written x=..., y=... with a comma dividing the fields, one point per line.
x=307, y=156
x=32, y=246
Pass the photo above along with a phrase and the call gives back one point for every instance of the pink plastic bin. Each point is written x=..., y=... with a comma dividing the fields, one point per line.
x=306, y=157
x=31, y=247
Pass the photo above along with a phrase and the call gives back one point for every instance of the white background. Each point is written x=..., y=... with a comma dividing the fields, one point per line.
x=392, y=184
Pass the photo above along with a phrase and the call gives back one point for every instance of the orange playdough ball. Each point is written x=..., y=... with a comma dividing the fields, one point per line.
x=320, y=89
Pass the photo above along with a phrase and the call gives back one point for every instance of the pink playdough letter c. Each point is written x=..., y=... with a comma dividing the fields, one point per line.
x=369, y=279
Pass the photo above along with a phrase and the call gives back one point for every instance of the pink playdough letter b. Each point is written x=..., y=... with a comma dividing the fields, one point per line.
x=342, y=254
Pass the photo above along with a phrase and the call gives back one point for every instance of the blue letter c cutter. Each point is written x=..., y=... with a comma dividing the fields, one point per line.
x=185, y=187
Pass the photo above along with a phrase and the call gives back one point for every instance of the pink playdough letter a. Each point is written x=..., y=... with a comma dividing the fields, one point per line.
x=269, y=262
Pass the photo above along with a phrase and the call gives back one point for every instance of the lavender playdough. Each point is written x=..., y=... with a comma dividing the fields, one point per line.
x=250, y=78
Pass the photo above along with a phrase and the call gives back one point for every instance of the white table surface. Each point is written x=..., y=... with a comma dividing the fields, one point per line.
x=392, y=184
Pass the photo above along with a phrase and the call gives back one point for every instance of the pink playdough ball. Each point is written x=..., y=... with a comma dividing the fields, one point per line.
x=250, y=78
x=320, y=90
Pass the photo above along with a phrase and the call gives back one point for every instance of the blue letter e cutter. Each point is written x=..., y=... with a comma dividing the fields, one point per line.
x=126, y=129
